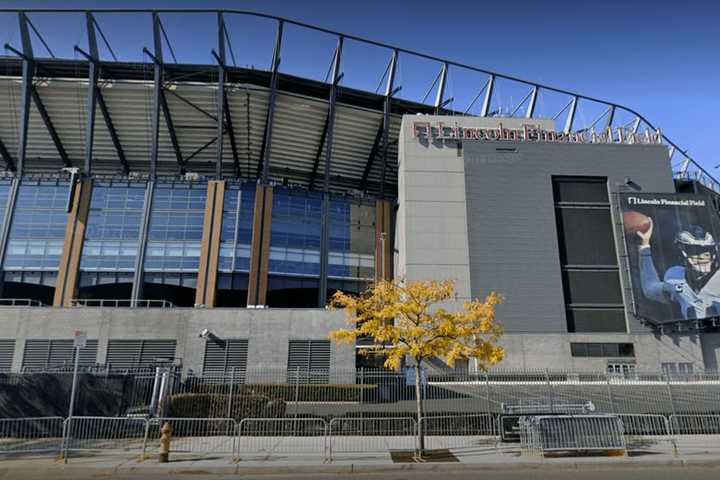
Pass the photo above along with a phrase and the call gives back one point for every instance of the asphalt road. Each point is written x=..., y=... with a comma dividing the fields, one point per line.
x=666, y=473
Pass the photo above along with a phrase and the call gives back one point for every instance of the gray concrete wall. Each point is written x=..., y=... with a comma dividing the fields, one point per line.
x=511, y=217
x=552, y=351
x=432, y=223
x=268, y=331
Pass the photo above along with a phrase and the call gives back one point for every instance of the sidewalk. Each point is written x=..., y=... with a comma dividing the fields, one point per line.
x=505, y=458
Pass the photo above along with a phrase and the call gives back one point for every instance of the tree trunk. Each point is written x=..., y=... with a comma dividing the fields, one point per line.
x=420, y=410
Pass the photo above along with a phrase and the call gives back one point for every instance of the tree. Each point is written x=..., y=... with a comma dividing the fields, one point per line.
x=408, y=319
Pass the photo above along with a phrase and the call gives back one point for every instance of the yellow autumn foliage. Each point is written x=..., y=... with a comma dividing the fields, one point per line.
x=409, y=319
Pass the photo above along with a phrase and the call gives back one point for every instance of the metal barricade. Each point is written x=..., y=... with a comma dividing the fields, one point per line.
x=193, y=435
x=644, y=430
x=644, y=425
x=565, y=433
x=269, y=437
x=371, y=435
x=112, y=435
x=459, y=431
x=31, y=435
x=696, y=434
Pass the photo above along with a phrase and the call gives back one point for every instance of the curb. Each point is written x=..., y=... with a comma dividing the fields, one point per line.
x=73, y=471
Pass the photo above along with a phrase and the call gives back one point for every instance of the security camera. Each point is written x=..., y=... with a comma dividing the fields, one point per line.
x=205, y=333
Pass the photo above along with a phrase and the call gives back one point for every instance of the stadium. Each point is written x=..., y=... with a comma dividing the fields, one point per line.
x=146, y=202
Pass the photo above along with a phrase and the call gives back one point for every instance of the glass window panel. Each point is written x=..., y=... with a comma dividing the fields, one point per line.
x=111, y=236
x=39, y=216
x=295, y=232
x=176, y=224
x=580, y=190
x=592, y=287
x=596, y=320
x=586, y=236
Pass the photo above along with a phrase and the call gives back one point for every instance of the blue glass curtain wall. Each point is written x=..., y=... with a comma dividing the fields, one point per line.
x=352, y=241
x=35, y=239
x=294, y=265
x=111, y=239
x=172, y=255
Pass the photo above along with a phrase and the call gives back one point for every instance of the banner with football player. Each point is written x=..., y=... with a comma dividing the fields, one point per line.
x=672, y=246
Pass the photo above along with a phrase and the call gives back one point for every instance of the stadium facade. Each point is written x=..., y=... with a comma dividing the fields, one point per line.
x=146, y=202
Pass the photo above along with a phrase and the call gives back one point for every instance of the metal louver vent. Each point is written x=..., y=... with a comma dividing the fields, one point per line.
x=7, y=349
x=40, y=354
x=126, y=354
x=308, y=361
x=223, y=357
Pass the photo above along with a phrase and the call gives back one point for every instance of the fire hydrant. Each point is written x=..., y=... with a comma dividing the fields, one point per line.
x=165, y=437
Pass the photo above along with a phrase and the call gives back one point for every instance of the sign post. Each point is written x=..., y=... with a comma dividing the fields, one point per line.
x=79, y=341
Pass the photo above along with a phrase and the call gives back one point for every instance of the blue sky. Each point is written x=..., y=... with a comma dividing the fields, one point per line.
x=659, y=57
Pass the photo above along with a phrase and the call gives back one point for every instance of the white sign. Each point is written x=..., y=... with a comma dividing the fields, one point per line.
x=80, y=339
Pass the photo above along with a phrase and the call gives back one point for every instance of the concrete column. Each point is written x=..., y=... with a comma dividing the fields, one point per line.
x=210, y=246
x=260, y=247
x=65, y=288
x=383, y=240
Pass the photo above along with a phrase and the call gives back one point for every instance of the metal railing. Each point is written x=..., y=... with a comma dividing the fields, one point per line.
x=567, y=433
x=356, y=437
x=696, y=434
x=20, y=302
x=460, y=431
x=118, y=303
x=193, y=435
x=116, y=435
x=267, y=437
x=371, y=435
x=31, y=435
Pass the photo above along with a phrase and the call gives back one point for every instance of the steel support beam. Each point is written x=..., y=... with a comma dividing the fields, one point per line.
x=113, y=133
x=160, y=102
x=571, y=116
x=264, y=165
x=138, y=278
x=7, y=221
x=531, y=104
x=9, y=163
x=91, y=94
x=171, y=130
x=610, y=118
x=488, y=96
x=440, y=95
x=25, y=92
x=372, y=155
x=383, y=129
x=522, y=102
x=387, y=110
x=325, y=218
x=50, y=127
x=318, y=154
x=157, y=88
x=220, y=97
x=231, y=136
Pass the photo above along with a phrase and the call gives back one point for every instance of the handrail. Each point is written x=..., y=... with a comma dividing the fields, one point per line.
x=540, y=86
x=120, y=303
x=21, y=302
